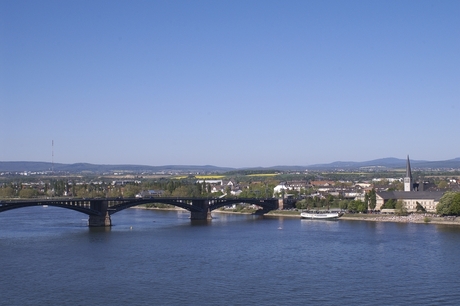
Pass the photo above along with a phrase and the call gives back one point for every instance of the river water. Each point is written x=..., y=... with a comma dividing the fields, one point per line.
x=49, y=257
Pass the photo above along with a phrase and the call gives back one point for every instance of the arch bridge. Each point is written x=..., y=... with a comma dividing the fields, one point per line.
x=100, y=210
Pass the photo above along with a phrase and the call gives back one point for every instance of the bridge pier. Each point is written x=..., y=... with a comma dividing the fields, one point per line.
x=200, y=215
x=204, y=214
x=100, y=220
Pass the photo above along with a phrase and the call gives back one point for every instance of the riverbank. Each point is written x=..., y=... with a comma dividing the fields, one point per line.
x=412, y=218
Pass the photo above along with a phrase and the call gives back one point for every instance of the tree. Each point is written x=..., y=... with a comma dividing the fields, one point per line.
x=302, y=204
x=449, y=204
x=361, y=206
x=329, y=200
x=390, y=204
x=343, y=204
x=357, y=206
x=366, y=198
x=73, y=188
x=27, y=193
x=7, y=192
x=420, y=208
x=182, y=191
x=228, y=191
x=131, y=190
x=372, y=199
x=443, y=185
x=400, y=208
x=396, y=185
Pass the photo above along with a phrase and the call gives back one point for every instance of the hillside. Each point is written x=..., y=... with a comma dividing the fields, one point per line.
x=380, y=164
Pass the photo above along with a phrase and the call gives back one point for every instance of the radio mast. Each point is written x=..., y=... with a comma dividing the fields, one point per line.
x=52, y=156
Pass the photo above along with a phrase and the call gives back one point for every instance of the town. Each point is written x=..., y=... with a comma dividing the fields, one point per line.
x=400, y=191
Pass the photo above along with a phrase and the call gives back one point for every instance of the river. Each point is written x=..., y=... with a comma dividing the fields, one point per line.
x=148, y=257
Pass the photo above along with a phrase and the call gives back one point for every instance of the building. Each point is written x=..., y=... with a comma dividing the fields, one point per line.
x=428, y=199
x=412, y=195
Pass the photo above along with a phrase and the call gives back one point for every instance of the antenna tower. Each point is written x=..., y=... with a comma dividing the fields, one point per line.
x=52, y=155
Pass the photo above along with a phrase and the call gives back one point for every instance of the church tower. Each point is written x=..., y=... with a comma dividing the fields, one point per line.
x=408, y=177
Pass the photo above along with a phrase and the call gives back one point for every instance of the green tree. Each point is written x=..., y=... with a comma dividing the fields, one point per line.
x=449, y=204
x=228, y=191
x=131, y=190
x=73, y=189
x=443, y=185
x=353, y=206
x=27, y=193
x=256, y=190
x=330, y=200
x=396, y=185
x=400, y=208
x=361, y=206
x=343, y=204
x=7, y=192
x=366, y=199
x=390, y=204
x=372, y=199
x=187, y=191
x=302, y=204
x=200, y=187
x=114, y=192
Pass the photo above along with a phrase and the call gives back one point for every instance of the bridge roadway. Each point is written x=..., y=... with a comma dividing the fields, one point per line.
x=99, y=210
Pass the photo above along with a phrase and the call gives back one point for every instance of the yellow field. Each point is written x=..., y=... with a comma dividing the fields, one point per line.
x=209, y=177
x=201, y=177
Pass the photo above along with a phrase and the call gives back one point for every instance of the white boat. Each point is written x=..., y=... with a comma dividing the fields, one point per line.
x=320, y=216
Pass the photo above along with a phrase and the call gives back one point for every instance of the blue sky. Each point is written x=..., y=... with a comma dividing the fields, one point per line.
x=229, y=83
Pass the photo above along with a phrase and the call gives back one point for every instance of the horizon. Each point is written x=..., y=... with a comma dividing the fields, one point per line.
x=236, y=83
x=220, y=166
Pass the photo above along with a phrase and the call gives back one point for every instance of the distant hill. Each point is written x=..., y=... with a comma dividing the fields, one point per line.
x=383, y=164
x=85, y=167
x=390, y=163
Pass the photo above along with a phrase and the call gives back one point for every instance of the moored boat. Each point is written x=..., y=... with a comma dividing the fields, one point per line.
x=321, y=216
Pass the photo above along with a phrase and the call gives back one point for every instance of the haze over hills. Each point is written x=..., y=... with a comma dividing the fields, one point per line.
x=391, y=163
x=382, y=164
x=86, y=167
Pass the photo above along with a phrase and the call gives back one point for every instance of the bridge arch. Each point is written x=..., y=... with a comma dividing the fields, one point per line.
x=178, y=202
x=67, y=204
x=266, y=204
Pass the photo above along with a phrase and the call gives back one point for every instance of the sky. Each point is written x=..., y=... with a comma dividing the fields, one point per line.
x=229, y=83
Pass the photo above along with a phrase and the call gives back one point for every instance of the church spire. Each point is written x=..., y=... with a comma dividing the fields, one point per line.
x=408, y=171
x=408, y=177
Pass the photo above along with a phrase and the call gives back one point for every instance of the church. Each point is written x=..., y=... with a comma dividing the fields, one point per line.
x=412, y=195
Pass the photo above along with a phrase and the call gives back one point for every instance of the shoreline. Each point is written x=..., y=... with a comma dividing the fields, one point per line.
x=412, y=218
